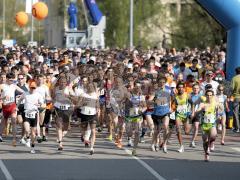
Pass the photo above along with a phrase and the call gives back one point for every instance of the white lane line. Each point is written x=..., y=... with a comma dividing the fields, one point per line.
x=151, y=170
x=236, y=149
x=5, y=171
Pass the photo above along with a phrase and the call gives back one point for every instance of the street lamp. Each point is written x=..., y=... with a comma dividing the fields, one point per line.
x=131, y=24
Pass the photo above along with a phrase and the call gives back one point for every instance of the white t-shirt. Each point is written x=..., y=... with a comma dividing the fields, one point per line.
x=8, y=93
x=32, y=103
x=89, y=104
x=214, y=86
x=61, y=101
x=43, y=90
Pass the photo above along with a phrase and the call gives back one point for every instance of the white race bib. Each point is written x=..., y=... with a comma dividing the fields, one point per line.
x=63, y=107
x=182, y=109
x=31, y=115
x=134, y=111
x=9, y=100
x=209, y=118
x=172, y=116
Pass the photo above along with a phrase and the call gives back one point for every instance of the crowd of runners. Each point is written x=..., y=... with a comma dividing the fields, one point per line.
x=152, y=92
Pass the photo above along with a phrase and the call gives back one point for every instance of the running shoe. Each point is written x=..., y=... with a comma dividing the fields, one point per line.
x=153, y=147
x=32, y=151
x=157, y=148
x=181, y=149
x=39, y=139
x=141, y=140
x=28, y=143
x=236, y=130
x=130, y=144
x=1, y=139
x=91, y=151
x=110, y=138
x=192, y=144
x=134, y=152
x=22, y=141
x=86, y=143
x=206, y=157
x=44, y=138
x=165, y=149
x=14, y=143
x=222, y=143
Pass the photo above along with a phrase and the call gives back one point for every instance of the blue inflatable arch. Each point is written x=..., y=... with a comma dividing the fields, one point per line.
x=227, y=12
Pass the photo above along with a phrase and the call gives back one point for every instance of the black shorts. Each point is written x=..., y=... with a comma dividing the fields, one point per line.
x=197, y=118
x=65, y=115
x=21, y=110
x=158, y=120
x=91, y=119
x=31, y=121
x=47, y=116
x=78, y=112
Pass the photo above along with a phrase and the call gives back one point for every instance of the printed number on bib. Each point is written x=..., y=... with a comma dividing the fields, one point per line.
x=172, y=116
x=30, y=115
x=134, y=111
x=63, y=108
x=209, y=118
x=182, y=109
x=9, y=100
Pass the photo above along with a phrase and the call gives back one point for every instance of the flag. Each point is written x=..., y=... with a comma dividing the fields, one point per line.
x=94, y=11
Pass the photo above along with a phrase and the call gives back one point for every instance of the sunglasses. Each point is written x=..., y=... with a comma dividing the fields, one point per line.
x=32, y=88
x=20, y=78
x=208, y=95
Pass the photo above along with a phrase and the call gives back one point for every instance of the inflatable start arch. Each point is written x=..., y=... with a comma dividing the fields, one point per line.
x=227, y=12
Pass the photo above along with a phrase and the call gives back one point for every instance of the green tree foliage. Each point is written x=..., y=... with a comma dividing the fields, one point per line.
x=117, y=13
x=195, y=28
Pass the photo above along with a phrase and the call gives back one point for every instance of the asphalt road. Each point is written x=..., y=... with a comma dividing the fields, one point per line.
x=108, y=162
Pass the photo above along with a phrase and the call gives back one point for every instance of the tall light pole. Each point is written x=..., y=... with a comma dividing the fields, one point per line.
x=131, y=24
x=3, y=36
x=32, y=22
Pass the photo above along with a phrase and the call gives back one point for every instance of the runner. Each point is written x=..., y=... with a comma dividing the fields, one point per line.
x=222, y=99
x=182, y=113
x=9, y=106
x=62, y=102
x=162, y=109
x=134, y=107
x=32, y=101
x=195, y=100
x=89, y=105
x=208, y=122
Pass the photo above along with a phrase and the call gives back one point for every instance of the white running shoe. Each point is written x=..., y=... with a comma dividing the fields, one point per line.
x=32, y=151
x=28, y=143
x=165, y=149
x=130, y=144
x=192, y=144
x=181, y=149
x=22, y=141
x=153, y=148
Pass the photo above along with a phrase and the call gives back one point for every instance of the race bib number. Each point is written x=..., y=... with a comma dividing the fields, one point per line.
x=209, y=118
x=162, y=101
x=182, y=109
x=63, y=108
x=172, y=116
x=9, y=99
x=31, y=115
x=134, y=111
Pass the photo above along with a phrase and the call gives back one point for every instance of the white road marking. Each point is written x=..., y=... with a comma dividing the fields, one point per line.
x=236, y=149
x=5, y=171
x=151, y=170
